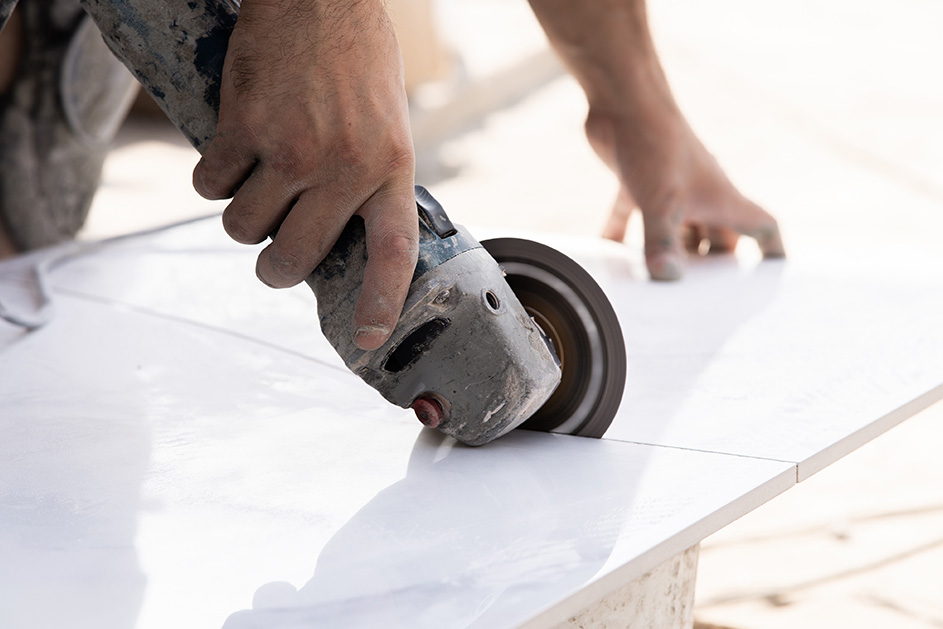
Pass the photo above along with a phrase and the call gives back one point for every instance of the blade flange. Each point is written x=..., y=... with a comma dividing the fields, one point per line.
x=574, y=312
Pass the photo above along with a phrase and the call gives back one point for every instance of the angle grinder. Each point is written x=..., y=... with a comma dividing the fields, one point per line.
x=492, y=336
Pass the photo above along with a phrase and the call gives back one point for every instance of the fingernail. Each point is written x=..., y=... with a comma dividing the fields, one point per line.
x=369, y=337
x=666, y=267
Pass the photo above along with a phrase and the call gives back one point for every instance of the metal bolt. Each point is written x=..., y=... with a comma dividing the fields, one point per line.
x=428, y=411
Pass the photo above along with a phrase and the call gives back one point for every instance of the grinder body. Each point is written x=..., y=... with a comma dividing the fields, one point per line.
x=464, y=342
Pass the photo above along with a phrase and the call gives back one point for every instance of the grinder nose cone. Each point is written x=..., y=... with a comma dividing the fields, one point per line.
x=428, y=411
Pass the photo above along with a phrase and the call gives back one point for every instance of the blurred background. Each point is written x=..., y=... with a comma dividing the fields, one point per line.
x=829, y=113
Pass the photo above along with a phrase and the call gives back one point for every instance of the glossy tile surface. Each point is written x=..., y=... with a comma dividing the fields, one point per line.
x=157, y=473
x=182, y=447
x=800, y=360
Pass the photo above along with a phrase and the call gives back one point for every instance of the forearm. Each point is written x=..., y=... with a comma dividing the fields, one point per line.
x=636, y=127
x=608, y=47
x=313, y=38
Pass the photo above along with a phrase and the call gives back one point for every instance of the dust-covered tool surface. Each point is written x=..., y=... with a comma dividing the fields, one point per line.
x=491, y=337
x=465, y=354
x=182, y=449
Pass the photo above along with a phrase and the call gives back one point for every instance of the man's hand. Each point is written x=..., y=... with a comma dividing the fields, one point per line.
x=688, y=204
x=314, y=128
x=635, y=126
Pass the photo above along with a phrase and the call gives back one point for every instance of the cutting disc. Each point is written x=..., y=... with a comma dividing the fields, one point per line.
x=572, y=310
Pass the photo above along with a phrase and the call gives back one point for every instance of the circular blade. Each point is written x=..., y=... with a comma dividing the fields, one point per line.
x=571, y=309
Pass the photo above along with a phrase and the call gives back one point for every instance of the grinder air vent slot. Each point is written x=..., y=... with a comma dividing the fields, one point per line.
x=414, y=345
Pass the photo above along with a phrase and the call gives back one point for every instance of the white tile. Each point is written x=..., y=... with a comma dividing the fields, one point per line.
x=799, y=360
x=157, y=473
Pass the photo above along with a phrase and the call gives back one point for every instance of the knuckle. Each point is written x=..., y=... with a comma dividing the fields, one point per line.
x=358, y=159
x=295, y=163
x=398, y=249
x=240, y=227
x=206, y=180
x=351, y=154
x=287, y=264
x=221, y=170
x=212, y=190
x=401, y=157
x=203, y=187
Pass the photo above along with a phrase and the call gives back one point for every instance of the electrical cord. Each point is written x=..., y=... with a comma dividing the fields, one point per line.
x=42, y=270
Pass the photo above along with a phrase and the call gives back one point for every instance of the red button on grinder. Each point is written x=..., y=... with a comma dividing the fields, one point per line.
x=428, y=411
